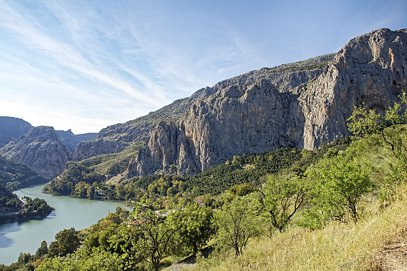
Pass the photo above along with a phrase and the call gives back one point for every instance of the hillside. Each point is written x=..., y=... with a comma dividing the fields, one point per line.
x=13, y=209
x=12, y=128
x=265, y=110
x=15, y=175
x=71, y=141
x=116, y=137
x=338, y=208
x=40, y=149
x=299, y=105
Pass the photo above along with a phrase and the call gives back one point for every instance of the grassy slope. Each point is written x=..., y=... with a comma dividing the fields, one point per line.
x=337, y=246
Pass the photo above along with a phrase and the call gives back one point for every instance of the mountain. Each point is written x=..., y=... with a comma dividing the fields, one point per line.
x=40, y=149
x=15, y=175
x=298, y=105
x=12, y=128
x=70, y=140
x=116, y=138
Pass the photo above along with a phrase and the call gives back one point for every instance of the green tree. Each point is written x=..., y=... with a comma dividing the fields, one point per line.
x=283, y=195
x=237, y=222
x=339, y=184
x=195, y=226
x=66, y=241
x=24, y=258
x=364, y=122
x=156, y=235
x=83, y=261
x=42, y=250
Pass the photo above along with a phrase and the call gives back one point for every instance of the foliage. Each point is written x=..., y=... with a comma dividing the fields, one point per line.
x=243, y=169
x=66, y=242
x=94, y=261
x=364, y=122
x=157, y=235
x=13, y=209
x=42, y=250
x=237, y=222
x=35, y=208
x=338, y=246
x=283, y=195
x=338, y=185
x=8, y=201
x=195, y=227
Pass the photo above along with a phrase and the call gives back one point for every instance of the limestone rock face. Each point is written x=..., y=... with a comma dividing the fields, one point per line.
x=40, y=149
x=370, y=69
x=302, y=105
x=116, y=137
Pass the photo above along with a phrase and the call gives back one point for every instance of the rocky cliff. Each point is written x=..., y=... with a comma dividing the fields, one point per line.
x=15, y=175
x=12, y=128
x=71, y=141
x=303, y=104
x=40, y=149
x=116, y=138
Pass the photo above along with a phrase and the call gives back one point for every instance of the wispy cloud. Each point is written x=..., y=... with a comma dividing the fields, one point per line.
x=67, y=56
x=72, y=62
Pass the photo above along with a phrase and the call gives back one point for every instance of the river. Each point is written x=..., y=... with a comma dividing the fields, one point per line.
x=69, y=212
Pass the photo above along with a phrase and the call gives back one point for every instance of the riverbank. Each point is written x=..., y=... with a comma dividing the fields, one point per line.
x=15, y=209
x=69, y=212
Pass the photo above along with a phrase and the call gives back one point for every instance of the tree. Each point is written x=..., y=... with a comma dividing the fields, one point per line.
x=389, y=130
x=364, y=122
x=237, y=222
x=282, y=197
x=42, y=250
x=66, y=242
x=24, y=258
x=195, y=226
x=83, y=261
x=339, y=184
x=156, y=235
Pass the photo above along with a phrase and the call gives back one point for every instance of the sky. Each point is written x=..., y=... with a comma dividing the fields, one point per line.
x=84, y=65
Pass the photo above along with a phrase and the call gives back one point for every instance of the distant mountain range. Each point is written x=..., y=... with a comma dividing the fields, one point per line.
x=42, y=149
x=303, y=104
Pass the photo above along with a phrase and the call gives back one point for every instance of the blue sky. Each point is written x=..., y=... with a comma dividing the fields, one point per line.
x=88, y=64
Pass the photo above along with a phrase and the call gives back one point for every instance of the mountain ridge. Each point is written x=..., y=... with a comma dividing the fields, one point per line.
x=259, y=113
x=115, y=138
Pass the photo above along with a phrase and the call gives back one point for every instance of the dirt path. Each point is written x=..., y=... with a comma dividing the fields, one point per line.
x=393, y=256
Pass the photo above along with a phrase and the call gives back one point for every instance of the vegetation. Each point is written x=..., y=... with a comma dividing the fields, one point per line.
x=13, y=209
x=282, y=198
x=332, y=209
x=91, y=178
x=14, y=175
x=237, y=222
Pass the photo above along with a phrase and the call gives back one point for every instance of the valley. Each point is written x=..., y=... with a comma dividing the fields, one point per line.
x=256, y=171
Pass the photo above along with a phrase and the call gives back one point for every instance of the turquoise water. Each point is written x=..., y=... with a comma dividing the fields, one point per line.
x=69, y=212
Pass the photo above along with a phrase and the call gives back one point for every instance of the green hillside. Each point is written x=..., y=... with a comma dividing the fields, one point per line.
x=338, y=208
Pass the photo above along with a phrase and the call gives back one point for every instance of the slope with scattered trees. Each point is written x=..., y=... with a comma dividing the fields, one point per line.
x=332, y=209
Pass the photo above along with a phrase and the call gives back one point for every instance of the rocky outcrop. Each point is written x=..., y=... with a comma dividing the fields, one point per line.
x=12, y=128
x=70, y=140
x=116, y=138
x=16, y=175
x=302, y=105
x=370, y=69
x=40, y=149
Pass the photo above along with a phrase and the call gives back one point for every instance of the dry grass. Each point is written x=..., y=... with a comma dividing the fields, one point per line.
x=336, y=247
